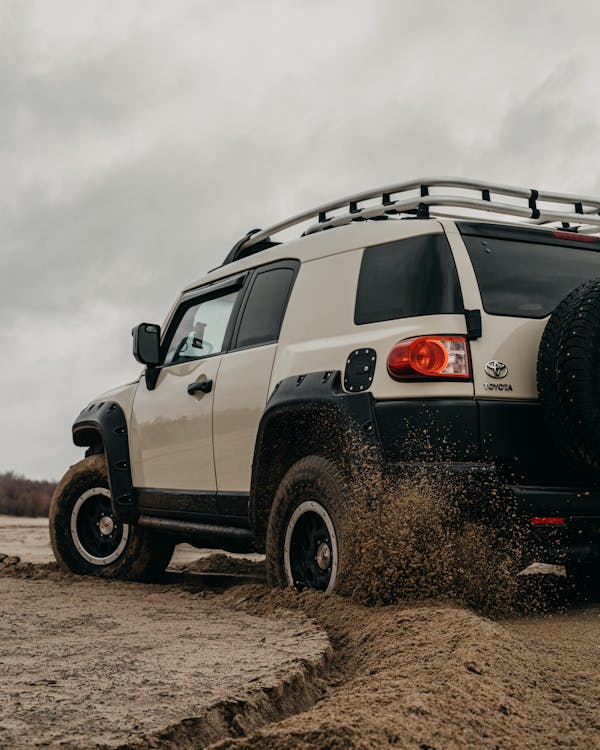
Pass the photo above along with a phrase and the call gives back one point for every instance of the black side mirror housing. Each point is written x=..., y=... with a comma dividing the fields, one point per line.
x=146, y=344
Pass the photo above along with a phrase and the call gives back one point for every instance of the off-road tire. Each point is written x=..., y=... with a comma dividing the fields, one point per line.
x=145, y=555
x=312, y=479
x=568, y=378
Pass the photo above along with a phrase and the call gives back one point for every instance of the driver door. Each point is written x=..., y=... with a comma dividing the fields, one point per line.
x=171, y=426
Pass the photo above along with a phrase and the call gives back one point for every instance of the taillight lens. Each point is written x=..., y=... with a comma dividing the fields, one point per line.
x=431, y=357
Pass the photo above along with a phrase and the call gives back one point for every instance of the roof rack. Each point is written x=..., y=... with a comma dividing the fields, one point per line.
x=479, y=199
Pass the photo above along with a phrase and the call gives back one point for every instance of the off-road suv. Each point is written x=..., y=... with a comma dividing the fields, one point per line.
x=441, y=324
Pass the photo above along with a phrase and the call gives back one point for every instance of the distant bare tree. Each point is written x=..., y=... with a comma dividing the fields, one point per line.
x=20, y=496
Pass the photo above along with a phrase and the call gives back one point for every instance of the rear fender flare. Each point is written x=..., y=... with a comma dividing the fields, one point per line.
x=310, y=414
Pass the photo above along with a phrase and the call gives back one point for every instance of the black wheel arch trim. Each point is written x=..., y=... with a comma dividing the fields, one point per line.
x=105, y=422
x=306, y=414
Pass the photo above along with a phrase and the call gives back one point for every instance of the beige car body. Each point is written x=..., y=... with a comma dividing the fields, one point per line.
x=206, y=442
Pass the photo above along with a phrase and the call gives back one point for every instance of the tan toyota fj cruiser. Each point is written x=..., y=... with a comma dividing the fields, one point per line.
x=443, y=323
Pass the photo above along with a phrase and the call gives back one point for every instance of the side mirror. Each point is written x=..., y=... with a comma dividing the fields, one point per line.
x=146, y=344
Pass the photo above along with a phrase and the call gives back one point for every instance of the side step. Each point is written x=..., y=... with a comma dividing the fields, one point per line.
x=229, y=538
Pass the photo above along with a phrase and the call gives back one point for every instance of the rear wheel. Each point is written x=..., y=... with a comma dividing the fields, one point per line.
x=310, y=549
x=306, y=530
x=87, y=538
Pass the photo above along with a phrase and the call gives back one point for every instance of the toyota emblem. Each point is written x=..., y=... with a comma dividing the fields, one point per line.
x=496, y=369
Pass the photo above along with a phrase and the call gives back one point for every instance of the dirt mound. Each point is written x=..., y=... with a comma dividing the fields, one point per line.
x=431, y=676
x=13, y=566
x=220, y=563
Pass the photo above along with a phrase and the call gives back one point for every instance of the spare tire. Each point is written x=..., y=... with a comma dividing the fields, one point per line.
x=568, y=378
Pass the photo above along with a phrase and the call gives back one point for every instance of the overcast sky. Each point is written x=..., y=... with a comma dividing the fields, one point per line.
x=140, y=140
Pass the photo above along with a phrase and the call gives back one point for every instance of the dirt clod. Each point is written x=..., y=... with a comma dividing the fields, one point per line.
x=9, y=561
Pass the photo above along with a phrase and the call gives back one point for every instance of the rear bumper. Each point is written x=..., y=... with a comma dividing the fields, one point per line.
x=482, y=494
x=577, y=538
x=569, y=502
x=500, y=461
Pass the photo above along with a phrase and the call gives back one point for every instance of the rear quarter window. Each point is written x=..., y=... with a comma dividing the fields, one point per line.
x=407, y=278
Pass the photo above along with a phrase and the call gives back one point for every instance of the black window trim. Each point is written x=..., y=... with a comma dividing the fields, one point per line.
x=290, y=264
x=204, y=294
x=243, y=282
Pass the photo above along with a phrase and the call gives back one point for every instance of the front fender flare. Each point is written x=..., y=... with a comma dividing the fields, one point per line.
x=107, y=419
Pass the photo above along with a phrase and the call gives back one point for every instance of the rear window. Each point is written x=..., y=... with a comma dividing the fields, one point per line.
x=406, y=278
x=527, y=279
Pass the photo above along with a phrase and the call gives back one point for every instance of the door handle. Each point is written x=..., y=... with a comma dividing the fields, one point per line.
x=205, y=386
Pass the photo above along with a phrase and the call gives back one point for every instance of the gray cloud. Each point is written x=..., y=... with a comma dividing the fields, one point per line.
x=139, y=140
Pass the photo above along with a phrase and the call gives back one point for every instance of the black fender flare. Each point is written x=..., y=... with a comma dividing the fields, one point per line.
x=308, y=414
x=105, y=421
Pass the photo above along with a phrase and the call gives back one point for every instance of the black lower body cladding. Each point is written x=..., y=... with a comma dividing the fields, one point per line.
x=510, y=435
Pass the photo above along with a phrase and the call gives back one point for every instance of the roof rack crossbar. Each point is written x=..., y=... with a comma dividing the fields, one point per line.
x=424, y=204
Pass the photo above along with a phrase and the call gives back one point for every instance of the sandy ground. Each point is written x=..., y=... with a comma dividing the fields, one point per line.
x=206, y=657
x=95, y=664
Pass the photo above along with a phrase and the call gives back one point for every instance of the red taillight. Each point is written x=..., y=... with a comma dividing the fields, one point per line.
x=431, y=357
x=564, y=235
x=547, y=521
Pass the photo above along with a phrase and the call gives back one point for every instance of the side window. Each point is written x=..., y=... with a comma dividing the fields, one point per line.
x=201, y=329
x=265, y=307
x=403, y=279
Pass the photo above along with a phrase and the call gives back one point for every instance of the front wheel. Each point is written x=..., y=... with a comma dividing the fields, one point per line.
x=86, y=537
x=306, y=532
